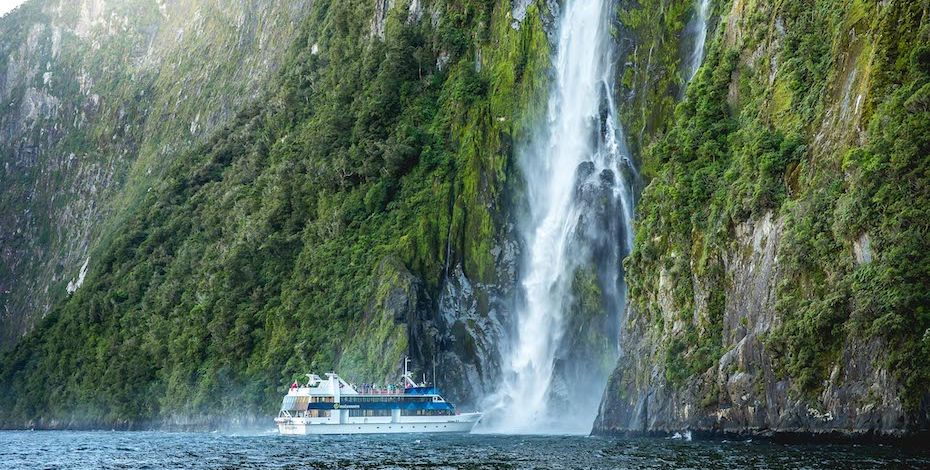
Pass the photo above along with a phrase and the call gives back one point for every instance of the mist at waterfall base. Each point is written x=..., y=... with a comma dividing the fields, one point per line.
x=576, y=231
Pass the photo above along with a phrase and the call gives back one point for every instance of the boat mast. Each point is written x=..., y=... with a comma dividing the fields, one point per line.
x=409, y=382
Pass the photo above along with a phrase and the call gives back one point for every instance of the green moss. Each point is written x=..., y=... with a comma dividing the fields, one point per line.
x=782, y=149
x=653, y=76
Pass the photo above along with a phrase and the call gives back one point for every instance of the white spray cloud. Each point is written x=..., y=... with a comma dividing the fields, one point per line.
x=579, y=144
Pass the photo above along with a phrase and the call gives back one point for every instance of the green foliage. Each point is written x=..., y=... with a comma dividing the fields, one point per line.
x=254, y=259
x=874, y=197
x=683, y=205
x=119, y=94
x=745, y=143
x=652, y=75
x=890, y=295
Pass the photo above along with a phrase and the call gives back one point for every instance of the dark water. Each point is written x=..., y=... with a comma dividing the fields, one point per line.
x=157, y=450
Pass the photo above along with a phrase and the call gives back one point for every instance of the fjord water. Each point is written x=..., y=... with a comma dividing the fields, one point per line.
x=161, y=450
x=579, y=214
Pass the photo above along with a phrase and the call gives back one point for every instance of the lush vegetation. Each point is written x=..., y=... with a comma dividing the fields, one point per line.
x=652, y=42
x=369, y=164
x=269, y=250
x=830, y=137
x=97, y=104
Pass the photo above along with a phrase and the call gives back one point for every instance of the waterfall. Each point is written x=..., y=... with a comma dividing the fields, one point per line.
x=697, y=27
x=577, y=173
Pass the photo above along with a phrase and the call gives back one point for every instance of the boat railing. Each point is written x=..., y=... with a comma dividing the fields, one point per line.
x=373, y=390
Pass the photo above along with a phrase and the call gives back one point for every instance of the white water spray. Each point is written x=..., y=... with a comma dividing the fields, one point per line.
x=698, y=28
x=580, y=210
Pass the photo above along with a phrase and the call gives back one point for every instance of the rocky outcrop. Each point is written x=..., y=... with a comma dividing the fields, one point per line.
x=462, y=334
x=452, y=338
x=548, y=9
x=379, y=21
x=640, y=398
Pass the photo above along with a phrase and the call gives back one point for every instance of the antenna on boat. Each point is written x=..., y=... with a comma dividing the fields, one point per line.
x=408, y=379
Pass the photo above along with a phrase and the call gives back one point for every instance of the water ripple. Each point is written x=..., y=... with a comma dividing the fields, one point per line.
x=163, y=450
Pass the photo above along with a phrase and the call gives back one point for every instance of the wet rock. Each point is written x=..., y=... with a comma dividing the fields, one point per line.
x=862, y=249
x=379, y=22
x=461, y=331
x=743, y=393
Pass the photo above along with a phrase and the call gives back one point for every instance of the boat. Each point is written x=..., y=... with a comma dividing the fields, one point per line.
x=331, y=405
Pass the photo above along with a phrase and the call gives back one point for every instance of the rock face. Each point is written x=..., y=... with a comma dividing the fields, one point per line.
x=741, y=393
x=768, y=322
x=99, y=97
x=363, y=209
x=470, y=323
x=355, y=214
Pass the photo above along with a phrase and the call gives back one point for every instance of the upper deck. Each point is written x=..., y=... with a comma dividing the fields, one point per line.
x=334, y=385
x=333, y=393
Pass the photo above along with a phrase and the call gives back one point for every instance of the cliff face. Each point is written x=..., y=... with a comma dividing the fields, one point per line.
x=779, y=280
x=98, y=97
x=201, y=201
x=353, y=213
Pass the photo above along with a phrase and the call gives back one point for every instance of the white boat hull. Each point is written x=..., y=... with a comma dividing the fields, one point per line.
x=303, y=426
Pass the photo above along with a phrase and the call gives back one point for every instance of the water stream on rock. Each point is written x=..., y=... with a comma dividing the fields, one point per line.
x=697, y=27
x=577, y=231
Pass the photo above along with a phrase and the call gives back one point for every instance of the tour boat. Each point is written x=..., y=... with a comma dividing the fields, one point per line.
x=333, y=406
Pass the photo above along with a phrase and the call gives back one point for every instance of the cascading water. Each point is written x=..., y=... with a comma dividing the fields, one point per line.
x=698, y=30
x=576, y=234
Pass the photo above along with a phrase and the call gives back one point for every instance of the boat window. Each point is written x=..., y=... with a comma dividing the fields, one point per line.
x=426, y=412
x=368, y=413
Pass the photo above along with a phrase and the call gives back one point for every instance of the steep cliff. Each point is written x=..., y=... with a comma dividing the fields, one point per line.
x=353, y=213
x=779, y=278
x=98, y=98
x=201, y=200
